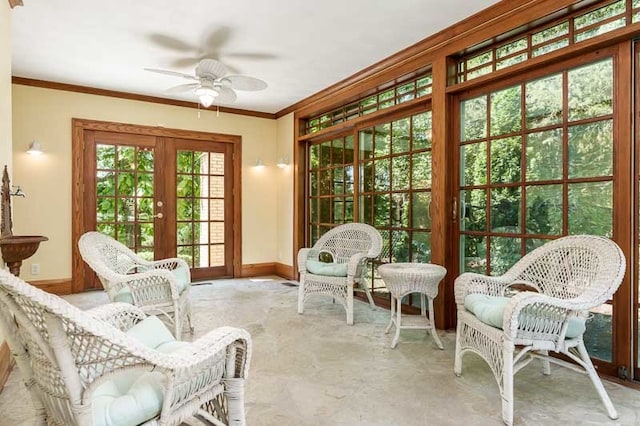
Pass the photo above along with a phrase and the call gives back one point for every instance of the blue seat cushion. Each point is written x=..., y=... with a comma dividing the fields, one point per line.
x=327, y=269
x=490, y=310
x=134, y=397
x=180, y=274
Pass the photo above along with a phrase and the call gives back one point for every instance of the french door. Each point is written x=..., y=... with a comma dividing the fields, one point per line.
x=162, y=197
x=540, y=157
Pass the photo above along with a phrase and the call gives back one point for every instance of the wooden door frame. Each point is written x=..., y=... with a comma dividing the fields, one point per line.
x=78, y=219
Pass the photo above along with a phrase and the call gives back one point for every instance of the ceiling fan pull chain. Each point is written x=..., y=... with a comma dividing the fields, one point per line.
x=218, y=110
x=198, y=110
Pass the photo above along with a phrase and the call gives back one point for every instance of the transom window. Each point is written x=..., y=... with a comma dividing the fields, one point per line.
x=576, y=28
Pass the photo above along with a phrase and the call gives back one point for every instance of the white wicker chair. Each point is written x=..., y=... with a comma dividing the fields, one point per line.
x=64, y=355
x=571, y=275
x=352, y=243
x=152, y=286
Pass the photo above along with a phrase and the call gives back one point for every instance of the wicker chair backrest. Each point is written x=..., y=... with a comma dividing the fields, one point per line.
x=107, y=256
x=344, y=241
x=574, y=266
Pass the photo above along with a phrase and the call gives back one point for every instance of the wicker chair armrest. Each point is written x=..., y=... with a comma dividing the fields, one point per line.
x=469, y=283
x=123, y=316
x=536, y=313
x=303, y=255
x=356, y=264
x=206, y=351
x=148, y=286
x=170, y=263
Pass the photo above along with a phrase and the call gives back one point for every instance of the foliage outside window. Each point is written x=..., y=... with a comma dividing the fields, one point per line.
x=124, y=195
x=394, y=189
x=559, y=34
x=516, y=189
x=125, y=199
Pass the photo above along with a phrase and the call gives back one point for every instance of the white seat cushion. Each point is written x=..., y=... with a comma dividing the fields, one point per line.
x=131, y=398
x=180, y=274
x=490, y=310
x=327, y=269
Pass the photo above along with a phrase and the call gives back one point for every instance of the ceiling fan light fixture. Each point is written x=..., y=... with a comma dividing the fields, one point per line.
x=206, y=95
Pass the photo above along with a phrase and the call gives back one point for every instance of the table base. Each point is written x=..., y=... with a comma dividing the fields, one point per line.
x=396, y=319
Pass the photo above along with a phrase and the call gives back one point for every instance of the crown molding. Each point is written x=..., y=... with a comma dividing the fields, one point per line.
x=14, y=3
x=131, y=96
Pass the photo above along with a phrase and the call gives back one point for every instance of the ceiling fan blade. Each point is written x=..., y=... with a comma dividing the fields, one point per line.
x=172, y=43
x=217, y=38
x=172, y=73
x=248, y=55
x=243, y=82
x=185, y=62
x=226, y=95
x=182, y=88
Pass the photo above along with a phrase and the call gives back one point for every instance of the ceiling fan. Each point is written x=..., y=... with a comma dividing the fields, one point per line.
x=213, y=82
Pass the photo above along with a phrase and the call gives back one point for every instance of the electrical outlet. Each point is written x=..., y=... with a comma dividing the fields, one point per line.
x=35, y=269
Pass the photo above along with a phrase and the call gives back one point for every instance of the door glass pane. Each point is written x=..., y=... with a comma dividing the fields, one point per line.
x=200, y=206
x=544, y=101
x=125, y=194
x=544, y=209
x=544, y=155
x=591, y=149
x=591, y=208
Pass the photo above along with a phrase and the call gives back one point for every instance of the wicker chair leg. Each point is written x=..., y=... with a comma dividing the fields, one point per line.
x=457, y=360
x=177, y=323
x=350, y=307
x=301, y=298
x=546, y=365
x=234, y=390
x=597, y=383
x=507, y=382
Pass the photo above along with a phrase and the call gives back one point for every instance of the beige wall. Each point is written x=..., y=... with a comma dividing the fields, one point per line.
x=5, y=90
x=5, y=84
x=285, y=143
x=45, y=115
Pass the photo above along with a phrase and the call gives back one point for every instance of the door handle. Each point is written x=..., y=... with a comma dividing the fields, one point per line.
x=159, y=215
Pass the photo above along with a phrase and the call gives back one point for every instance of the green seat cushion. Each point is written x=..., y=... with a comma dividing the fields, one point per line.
x=180, y=274
x=490, y=310
x=327, y=269
x=134, y=397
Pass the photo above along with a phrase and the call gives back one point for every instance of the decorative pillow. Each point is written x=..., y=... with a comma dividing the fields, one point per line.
x=327, y=269
x=490, y=310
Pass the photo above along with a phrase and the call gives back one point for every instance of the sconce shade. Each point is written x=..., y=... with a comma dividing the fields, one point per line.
x=35, y=148
x=283, y=162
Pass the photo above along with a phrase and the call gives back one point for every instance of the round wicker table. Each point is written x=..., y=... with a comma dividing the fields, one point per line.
x=405, y=278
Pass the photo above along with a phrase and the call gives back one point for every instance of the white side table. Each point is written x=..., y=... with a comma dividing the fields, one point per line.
x=405, y=278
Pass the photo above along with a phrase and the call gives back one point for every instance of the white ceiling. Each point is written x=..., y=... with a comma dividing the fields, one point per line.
x=299, y=47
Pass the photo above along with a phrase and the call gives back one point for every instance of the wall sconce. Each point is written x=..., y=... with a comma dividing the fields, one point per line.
x=283, y=162
x=259, y=164
x=35, y=148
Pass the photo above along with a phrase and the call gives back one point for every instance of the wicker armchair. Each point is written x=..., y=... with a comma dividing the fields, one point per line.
x=158, y=288
x=351, y=246
x=568, y=276
x=110, y=366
